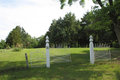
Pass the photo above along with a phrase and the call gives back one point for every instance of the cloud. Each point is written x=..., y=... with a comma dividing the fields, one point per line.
x=14, y=3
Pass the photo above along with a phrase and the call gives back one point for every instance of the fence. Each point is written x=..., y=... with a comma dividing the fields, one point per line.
x=54, y=53
x=60, y=53
x=102, y=54
x=37, y=59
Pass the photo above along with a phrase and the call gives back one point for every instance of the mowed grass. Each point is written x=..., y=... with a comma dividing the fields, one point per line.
x=13, y=66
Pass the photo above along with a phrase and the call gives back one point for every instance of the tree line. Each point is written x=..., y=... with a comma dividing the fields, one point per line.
x=68, y=30
x=18, y=37
x=105, y=11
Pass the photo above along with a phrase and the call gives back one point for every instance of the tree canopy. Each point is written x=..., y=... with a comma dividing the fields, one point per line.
x=17, y=37
x=64, y=31
x=68, y=30
x=109, y=11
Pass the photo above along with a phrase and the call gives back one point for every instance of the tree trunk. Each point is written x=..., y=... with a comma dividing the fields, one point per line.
x=117, y=31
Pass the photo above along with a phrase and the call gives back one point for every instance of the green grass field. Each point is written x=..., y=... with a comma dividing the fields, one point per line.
x=13, y=66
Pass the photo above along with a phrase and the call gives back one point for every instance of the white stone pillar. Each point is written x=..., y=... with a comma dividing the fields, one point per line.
x=91, y=50
x=47, y=53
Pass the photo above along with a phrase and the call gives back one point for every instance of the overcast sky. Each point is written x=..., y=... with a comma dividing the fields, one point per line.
x=35, y=16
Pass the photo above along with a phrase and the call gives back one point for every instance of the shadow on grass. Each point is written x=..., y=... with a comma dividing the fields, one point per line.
x=117, y=74
x=63, y=71
x=115, y=53
x=79, y=69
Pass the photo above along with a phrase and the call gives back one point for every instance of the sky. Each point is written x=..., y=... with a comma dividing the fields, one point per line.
x=35, y=16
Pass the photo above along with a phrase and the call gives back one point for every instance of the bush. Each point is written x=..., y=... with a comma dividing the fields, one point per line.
x=115, y=44
x=17, y=49
x=8, y=47
x=12, y=46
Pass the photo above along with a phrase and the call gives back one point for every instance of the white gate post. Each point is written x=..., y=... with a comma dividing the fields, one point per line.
x=47, y=53
x=91, y=50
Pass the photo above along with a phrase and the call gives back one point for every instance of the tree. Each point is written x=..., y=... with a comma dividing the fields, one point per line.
x=108, y=7
x=101, y=29
x=25, y=37
x=41, y=41
x=71, y=26
x=2, y=44
x=64, y=31
x=57, y=32
x=14, y=38
x=18, y=37
x=33, y=43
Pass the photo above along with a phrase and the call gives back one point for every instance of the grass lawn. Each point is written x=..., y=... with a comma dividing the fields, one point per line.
x=13, y=67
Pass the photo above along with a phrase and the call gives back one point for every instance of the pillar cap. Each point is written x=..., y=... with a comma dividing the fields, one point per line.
x=91, y=38
x=47, y=37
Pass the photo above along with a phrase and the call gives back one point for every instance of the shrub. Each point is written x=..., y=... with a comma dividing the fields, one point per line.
x=17, y=49
x=115, y=44
x=8, y=47
x=12, y=46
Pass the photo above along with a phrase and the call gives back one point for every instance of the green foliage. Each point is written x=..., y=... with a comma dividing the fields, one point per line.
x=25, y=37
x=2, y=44
x=33, y=43
x=41, y=42
x=115, y=44
x=18, y=37
x=64, y=31
x=8, y=47
x=70, y=2
x=17, y=49
x=71, y=31
x=12, y=46
x=82, y=3
x=14, y=37
x=107, y=14
x=99, y=27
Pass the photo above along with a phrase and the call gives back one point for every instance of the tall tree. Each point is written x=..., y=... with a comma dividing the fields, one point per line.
x=102, y=30
x=64, y=30
x=57, y=32
x=71, y=26
x=14, y=38
x=18, y=36
x=108, y=7
x=25, y=37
